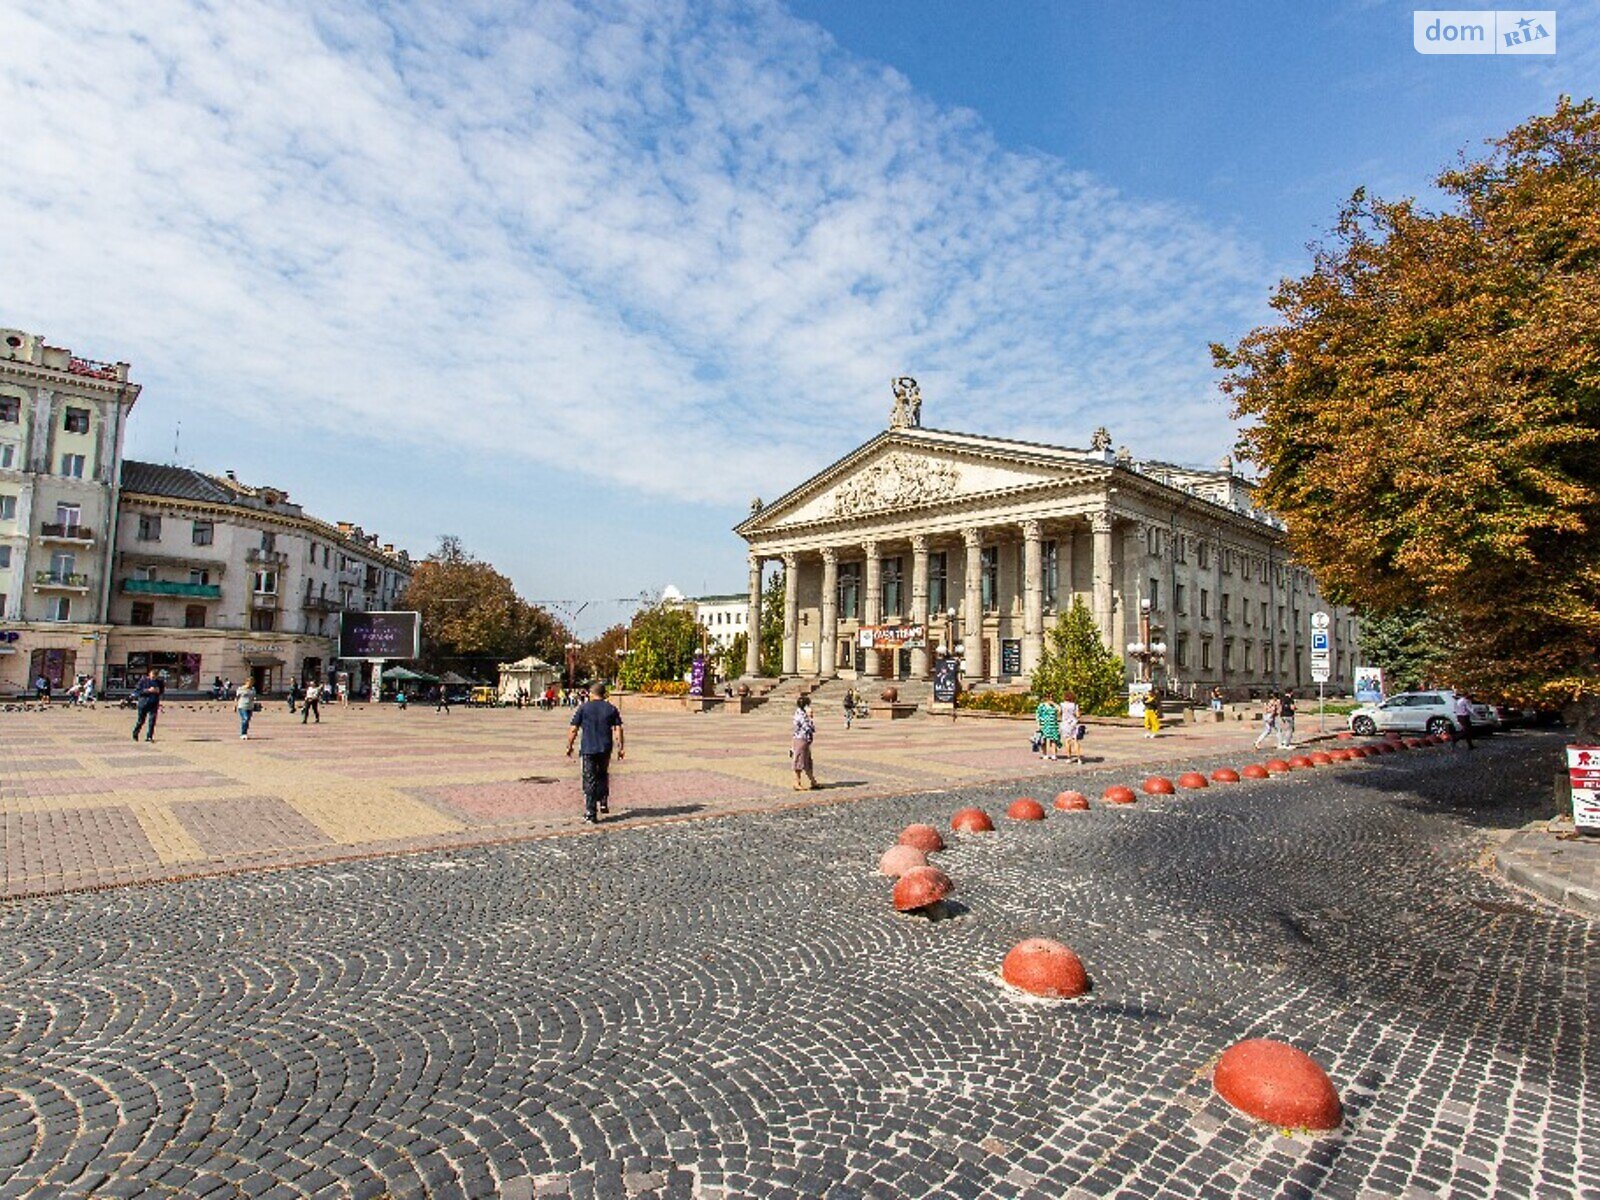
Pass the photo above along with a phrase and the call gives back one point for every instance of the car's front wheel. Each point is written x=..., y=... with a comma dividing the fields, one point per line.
x=1438, y=725
x=1365, y=726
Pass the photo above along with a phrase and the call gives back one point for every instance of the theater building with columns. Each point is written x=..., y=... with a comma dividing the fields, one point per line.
x=922, y=540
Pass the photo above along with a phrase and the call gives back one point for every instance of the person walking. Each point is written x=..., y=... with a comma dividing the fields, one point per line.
x=400, y=698
x=294, y=693
x=804, y=732
x=41, y=690
x=1152, y=713
x=311, y=706
x=1269, y=721
x=595, y=719
x=1286, y=721
x=1048, y=715
x=244, y=703
x=849, y=707
x=1072, y=727
x=1462, y=707
x=441, y=699
x=147, y=700
x=1216, y=699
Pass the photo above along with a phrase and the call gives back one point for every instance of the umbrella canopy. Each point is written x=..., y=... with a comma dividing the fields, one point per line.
x=406, y=675
x=455, y=680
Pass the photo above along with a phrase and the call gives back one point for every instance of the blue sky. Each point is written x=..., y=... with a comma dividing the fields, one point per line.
x=575, y=281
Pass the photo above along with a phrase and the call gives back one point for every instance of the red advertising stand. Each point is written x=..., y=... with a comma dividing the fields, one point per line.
x=1583, y=769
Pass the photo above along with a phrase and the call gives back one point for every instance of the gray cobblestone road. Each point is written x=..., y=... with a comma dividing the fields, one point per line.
x=729, y=1008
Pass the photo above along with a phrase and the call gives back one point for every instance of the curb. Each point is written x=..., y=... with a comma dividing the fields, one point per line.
x=1516, y=861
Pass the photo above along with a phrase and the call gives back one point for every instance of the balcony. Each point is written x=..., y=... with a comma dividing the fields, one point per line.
x=63, y=581
x=264, y=600
x=76, y=534
x=160, y=587
x=266, y=558
x=321, y=604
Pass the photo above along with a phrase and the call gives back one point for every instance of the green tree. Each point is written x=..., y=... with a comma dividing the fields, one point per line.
x=1426, y=409
x=771, y=628
x=661, y=645
x=602, y=655
x=1412, y=646
x=1076, y=660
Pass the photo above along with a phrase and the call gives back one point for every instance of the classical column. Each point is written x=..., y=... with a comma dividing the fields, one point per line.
x=752, y=653
x=827, y=666
x=972, y=606
x=791, y=613
x=1032, y=595
x=1100, y=555
x=919, y=604
x=43, y=422
x=872, y=606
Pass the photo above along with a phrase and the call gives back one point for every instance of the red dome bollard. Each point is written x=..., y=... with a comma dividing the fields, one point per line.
x=1225, y=775
x=1156, y=785
x=1255, y=771
x=897, y=860
x=1045, y=968
x=1272, y=1081
x=972, y=820
x=1072, y=802
x=920, y=888
x=1193, y=779
x=1117, y=794
x=1301, y=762
x=1278, y=766
x=1321, y=758
x=924, y=837
x=1026, y=809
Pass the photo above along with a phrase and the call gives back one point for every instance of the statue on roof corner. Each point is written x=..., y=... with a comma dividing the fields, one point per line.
x=1100, y=439
x=907, y=411
x=756, y=506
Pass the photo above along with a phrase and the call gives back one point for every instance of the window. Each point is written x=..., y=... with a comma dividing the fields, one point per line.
x=1205, y=652
x=266, y=583
x=202, y=533
x=5, y=556
x=1182, y=651
x=200, y=577
x=1227, y=562
x=1180, y=599
x=144, y=613
x=58, y=608
x=1249, y=657
x=849, y=591
x=989, y=578
x=8, y=454
x=194, y=616
x=1155, y=595
x=3, y=604
x=1050, y=567
x=311, y=553
x=76, y=420
x=269, y=540
x=1283, y=621
x=8, y=508
x=149, y=529
x=72, y=466
x=938, y=582
x=261, y=620
x=1227, y=654
x=1265, y=619
x=1205, y=605
x=63, y=564
x=1180, y=548
x=144, y=573
x=10, y=409
x=893, y=593
x=1226, y=610
x=68, y=515
x=1202, y=553
x=1266, y=657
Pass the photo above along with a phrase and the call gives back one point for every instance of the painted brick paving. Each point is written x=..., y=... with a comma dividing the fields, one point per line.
x=83, y=806
x=728, y=1008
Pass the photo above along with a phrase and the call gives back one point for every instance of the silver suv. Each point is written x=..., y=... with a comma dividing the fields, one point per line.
x=1418, y=712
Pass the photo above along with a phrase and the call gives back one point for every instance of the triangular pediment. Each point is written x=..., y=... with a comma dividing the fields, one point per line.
x=906, y=471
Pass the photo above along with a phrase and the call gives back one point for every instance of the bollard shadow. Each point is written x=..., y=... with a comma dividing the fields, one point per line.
x=666, y=810
x=836, y=784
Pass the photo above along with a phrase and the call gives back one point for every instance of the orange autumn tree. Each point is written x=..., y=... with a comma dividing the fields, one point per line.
x=1426, y=411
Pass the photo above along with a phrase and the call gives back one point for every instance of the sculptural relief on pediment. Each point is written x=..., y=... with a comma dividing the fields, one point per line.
x=896, y=480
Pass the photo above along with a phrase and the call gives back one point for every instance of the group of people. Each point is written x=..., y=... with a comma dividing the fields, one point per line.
x=82, y=691
x=151, y=688
x=1058, y=725
x=1277, y=720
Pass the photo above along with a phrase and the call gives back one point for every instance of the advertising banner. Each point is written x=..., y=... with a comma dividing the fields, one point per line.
x=378, y=635
x=945, y=680
x=1369, y=685
x=1583, y=765
x=891, y=637
x=697, y=676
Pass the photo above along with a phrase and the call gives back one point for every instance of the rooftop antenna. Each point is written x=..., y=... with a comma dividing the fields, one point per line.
x=177, y=432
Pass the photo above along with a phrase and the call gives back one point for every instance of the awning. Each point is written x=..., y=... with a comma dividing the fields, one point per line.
x=263, y=660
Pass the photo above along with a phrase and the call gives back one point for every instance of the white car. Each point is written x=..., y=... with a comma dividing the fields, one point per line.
x=1418, y=712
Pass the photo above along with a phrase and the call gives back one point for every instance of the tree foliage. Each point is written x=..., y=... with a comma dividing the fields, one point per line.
x=661, y=645
x=472, y=617
x=771, y=628
x=1412, y=646
x=1076, y=660
x=1426, y=410
x=601, y=657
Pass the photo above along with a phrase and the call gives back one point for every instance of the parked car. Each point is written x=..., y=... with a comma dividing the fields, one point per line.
x=1418, y=712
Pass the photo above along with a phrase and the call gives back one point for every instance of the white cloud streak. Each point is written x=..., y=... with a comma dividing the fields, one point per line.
x=666, y=242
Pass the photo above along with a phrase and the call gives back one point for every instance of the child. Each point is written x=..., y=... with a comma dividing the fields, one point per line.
x=400, y=699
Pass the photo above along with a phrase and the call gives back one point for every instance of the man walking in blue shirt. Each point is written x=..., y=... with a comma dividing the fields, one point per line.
x=595, y=719
x=147, y=696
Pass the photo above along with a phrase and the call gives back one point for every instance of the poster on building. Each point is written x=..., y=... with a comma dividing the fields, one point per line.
x=380, y=635
x=697, y=676
x=1011, y=656
x=892, y=637
x=1583, y=769
x=1369, y=685
x=945, y=680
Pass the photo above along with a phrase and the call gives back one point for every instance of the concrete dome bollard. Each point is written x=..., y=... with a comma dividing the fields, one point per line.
x=1157, y=785
x=972, y=820
x=924, y=837
x=1118, y=794
x=921, y=888
x=1225, y=775
x=1193, y=779
x=1321, y=758
x=1072, y=802
x=1277, y=766
x=897, y=860
x=1301, y=762
x=1255, y=771
x=1026, y=809
x=1274, y=1082
x=1042, y=967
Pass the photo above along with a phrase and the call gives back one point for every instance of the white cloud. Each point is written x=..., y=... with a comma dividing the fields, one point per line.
x=668, y=242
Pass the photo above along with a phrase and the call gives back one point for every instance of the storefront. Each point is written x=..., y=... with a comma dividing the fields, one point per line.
x=180, y=669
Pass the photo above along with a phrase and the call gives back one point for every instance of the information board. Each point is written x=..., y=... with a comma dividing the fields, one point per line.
x=1011, y=656
x=946, y=680
x=380, y=635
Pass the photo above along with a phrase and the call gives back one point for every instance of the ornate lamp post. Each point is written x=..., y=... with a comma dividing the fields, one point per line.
x=1149, y=654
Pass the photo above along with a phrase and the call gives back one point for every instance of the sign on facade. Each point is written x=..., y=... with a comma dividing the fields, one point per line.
x=1011, y=656
x=892, y=637
x=1583, y=768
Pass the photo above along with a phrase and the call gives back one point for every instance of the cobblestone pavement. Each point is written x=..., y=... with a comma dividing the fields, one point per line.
x=83, y=806
x=728, y=1008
